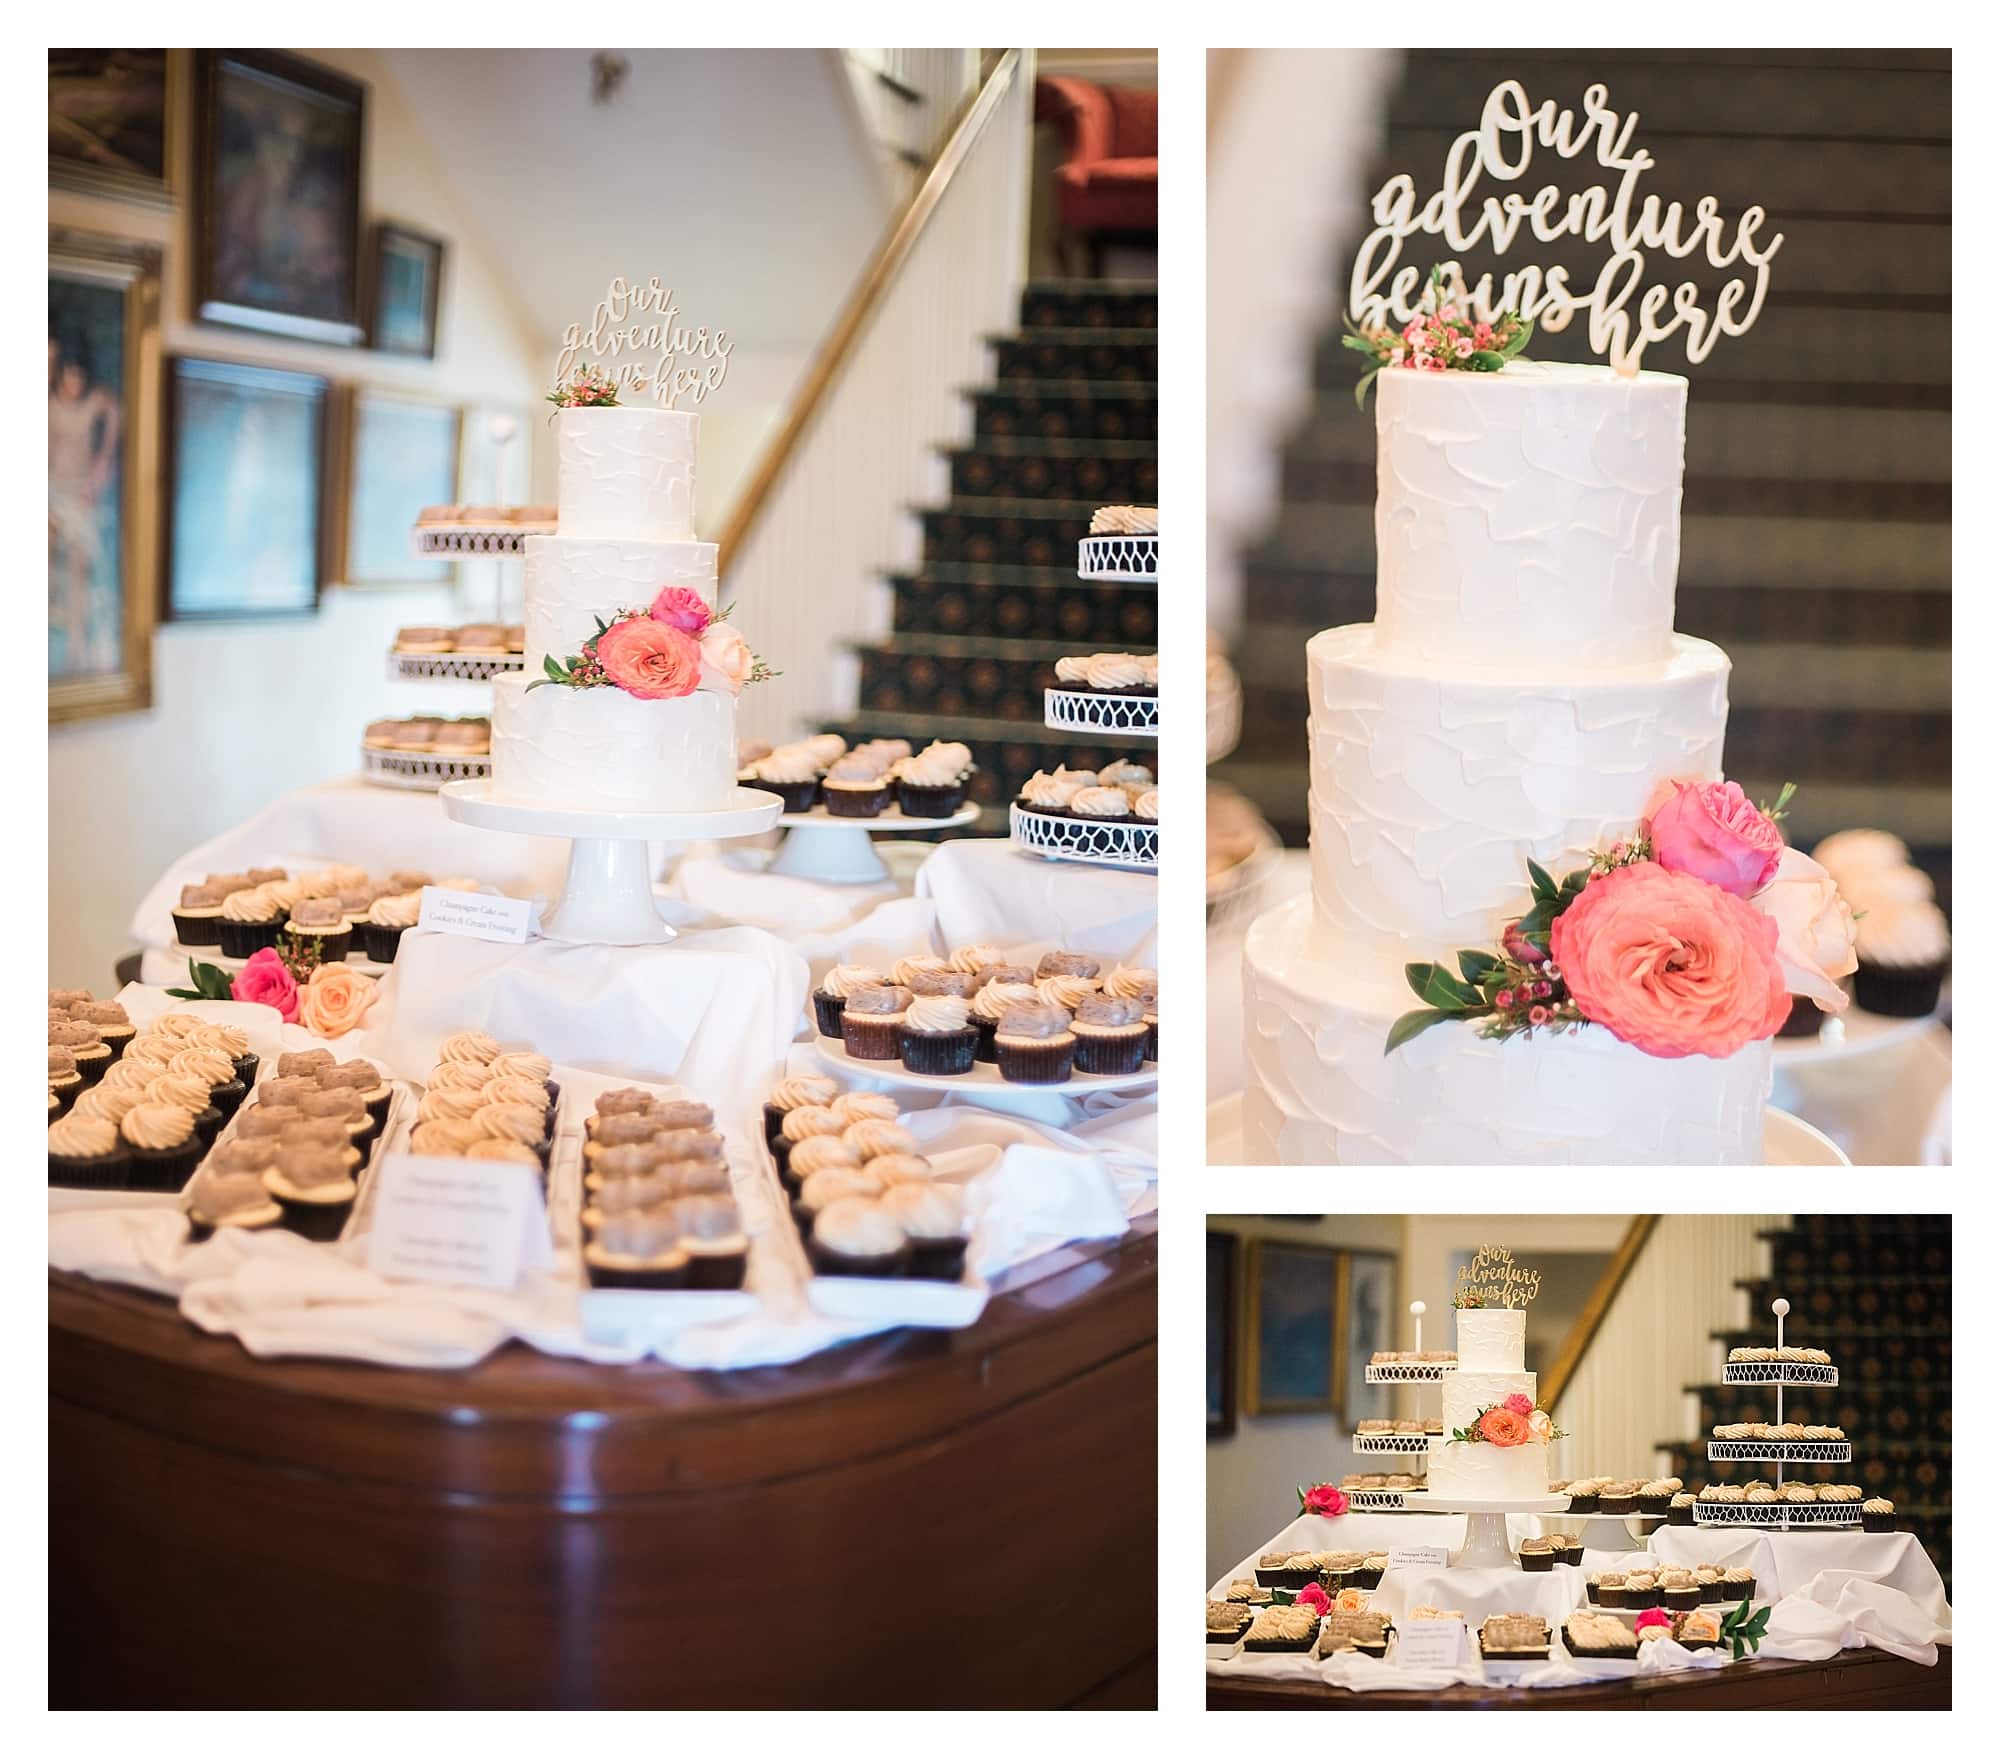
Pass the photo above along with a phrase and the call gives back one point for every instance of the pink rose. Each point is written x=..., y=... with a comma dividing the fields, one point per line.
x=1714, y=831
x=335, y=1001
x=1316, y=1597
x=1673, y=966
x=1815, y=929
x=1323, y=1499
x=726, y=659
x=265, y=980
x=682, y=608
x=1652, y=1616
x=650, y=660
x=1520, y=1404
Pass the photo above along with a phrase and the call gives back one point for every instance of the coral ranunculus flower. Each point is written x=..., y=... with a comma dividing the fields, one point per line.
x=1503, y=1428
x=682, y=608
x=1672, y=965
x=650, y=660
x=1520, y=1404
x=1714, y=831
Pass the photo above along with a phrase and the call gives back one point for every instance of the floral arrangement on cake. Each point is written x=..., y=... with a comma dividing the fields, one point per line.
x=328, y=999
x=673, y=648
x=1509, y=1424
x=1688, y=938
x=589, y=387
x=1322, y=1499
x=1442, y=337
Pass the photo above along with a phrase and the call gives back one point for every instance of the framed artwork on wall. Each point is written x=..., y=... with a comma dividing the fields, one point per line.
x=277, y=223
x=399, y=455
x=1290, y=1353
x=246, y=448
x=406, y=282
x=104, y=455
x=110, y=112
x=1222, y=1335
x=1366, y=1308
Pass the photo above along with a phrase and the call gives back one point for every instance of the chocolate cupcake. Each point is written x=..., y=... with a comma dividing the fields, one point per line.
x=829, y=1185
x=362, y=1077
x=87, y=1154
x=637, y=1249
x=114, y=1025
x=389, y=918
x=214, y=1067
x=856, y=1237
x=791, y=772
x=993, y=1000
x=1679, y=1590
x=1709, y=1580
x=712, y=1236
x=1680, y=1509
x=851, y=1108
x=1903, y=951
x=294, y=1064
x=794, y=1091
x=932, y=783
x=161, y=1146
x=1141, y=984
x=1110, y=1035
x=857, y=787
x=938, y=1036
x=1610, y=1588
x=1033, y=1044
x=1656, y=1496
x=224, y=1198
x=313, y=1184
x=90, y=1053
x=64, y=1081
x=1537, y=1556
x=932, y=1217
x=816, y=1155
x=1878, y=1515
x=234, y=1043
x=800, y=1123
x=189, y=1092
x=1739, y=1583
x=871, y=1024
x=198, y=916
x=1583, y=1495
x=250, y=921
x=1047, y=794
x=1618, y=1497
x=834, y=988
x=321, y=926
x=525, y=1124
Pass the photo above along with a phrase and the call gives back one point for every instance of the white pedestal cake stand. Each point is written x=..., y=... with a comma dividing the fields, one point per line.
x=607, y=895
x=839, y=851
x=1487, y=1546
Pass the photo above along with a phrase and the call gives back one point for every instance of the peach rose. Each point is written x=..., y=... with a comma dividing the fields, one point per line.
x=334, y=1000
x=1714, y=831
x=649, y=660
x=726, y=659
x=1815, y=929
x=1502, y=1427
x=1672, y=965
x=1542, y=1426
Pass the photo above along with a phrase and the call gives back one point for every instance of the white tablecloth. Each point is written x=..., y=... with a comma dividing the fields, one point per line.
x=984, y=889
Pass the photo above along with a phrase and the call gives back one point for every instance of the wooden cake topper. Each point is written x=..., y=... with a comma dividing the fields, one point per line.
x=637, y=342
x=1493, y=1279
x=1625, y=316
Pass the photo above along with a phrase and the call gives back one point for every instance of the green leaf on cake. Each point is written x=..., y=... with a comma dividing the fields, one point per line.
x=1361, y=389
x=1538, y=877
x=1416, y=1021
x=1520, y=340
x=549, y=666
x=1474, y=966
x=1360, y=344
x=1436, y=985
x=1485, y=360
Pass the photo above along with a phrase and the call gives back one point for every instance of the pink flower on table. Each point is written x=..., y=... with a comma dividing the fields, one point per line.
x=648, y=659
x=1520, y=1404
x=682, y=608
x=1714, y=831
x=1323, y=1499
x=1316, y=1597
x=1815, y=929
x=264, y=979
x=726, y=659
x=1673, y=966
x=1652, y=1616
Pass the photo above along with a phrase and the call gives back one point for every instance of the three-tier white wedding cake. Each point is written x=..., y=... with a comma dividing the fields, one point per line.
x=1492, y=1346
x=1521, y=694
x=624, y=530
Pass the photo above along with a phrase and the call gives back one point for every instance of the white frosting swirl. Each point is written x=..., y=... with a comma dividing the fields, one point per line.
x=937, y=1014
x=1101, y=803
x=844, y=980
x=996, y=998
x=396, y=910
x=1903, y=935
x=1113, y=672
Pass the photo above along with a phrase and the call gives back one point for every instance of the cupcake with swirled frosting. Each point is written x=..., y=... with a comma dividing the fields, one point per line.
x=161, y=1144
x=858, y=786
x=855, y=1236
x=795, y=1090
x=1140, y=983
x=1104, y=674
x=1065, y=990
x=251, y=920
x=992, y=1001
x=389, y=918
x=80, y=1038
x=1033, y=1044
x=938, y=1035
x=1043, y=792
x=87, y=1154
x=1901, y=953
x=792, y=772
x=871, y=1022
x=1848, y=853
x=830, y=998
x=223, y=1197
x=1110, y=1034
x=932, y=1217
x=1101, y=804
x=64, y=1081
x=931, y=783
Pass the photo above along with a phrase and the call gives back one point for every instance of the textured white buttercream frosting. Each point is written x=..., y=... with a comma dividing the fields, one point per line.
x=1493, y=1340
x=606, y=750
x=1322, y=1093
x=626, y=473
x=1432, y=787
x=570, y=582
x=1530, y=515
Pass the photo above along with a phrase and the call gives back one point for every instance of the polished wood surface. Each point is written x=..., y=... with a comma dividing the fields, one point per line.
x=915, y=1519
x=1855, y=1679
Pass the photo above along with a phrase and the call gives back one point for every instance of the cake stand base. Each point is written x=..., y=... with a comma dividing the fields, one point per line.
x=1487, y=1546
x=607, y=896
x=841, y=851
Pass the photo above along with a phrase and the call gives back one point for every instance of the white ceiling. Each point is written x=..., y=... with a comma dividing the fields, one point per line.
x=742, y=177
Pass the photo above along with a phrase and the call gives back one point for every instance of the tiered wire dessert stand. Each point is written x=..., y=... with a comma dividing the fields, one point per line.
x=422, y=771
x=1780, y=1515
x=1124, y=556
x=607, y=896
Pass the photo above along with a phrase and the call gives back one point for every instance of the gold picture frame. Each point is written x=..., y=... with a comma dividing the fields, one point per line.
x=81, y=261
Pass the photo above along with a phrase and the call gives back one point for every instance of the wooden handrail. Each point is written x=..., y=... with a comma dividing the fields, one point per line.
x=1594, y=1310
x=875, y=280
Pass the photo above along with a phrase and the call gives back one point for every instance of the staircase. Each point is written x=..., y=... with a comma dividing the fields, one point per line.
x=1875, y=1293
x=1816, y=517
x=1069, y=424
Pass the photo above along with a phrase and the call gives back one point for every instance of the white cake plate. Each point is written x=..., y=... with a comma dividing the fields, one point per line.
x=838, y=851
x=607, y=895
x=1844, y=1037
x=984, y=1082
x=1487, y=1546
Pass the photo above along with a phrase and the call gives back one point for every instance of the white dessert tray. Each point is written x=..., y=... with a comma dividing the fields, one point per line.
x=1388, y=1502
x=474, y=540
x=984, y=1081
x=1102, y=711
x=1119, y=556
x=462, y=668
x=1394, y=1444
x=837, y=851
x=1789, y=1453
x=1777, y=1514
x=1101, y=843
x=421, y=771
x=1397, y=1373
x=607, y=896
x=1842, y=1037
x=1780, y=1374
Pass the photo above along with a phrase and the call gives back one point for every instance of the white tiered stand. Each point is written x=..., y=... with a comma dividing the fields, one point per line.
x=1780, y=1515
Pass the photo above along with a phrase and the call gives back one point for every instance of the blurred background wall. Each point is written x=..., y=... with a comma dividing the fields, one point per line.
x=1816, y=519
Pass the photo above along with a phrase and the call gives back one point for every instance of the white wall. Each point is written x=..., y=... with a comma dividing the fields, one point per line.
x=244, y=711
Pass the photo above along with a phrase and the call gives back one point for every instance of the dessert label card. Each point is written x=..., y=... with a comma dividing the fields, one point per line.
x=1418, y=1557
x=1429, y=1643
x=476, y=915
x=469, y=1223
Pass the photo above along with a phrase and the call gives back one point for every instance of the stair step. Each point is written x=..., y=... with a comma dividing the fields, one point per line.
x=1103, y=472
x=1090, y=305
x=988, y=532
x=1097, y=356
x=1078, y=412
x=1026, y=604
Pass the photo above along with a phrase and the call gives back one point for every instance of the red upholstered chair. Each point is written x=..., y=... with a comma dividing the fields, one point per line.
x=1108, y=185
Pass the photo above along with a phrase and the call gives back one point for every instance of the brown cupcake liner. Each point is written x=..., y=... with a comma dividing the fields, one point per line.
x=920, y=801
x=1035, y=1063
x=1111, y=1053
x=875, y=1038
x=197, y=931
x=939, y=1053
x=90, y=1172
x=826, y=1013
x=163, y=1169
x=1903, y=993
x=857, y=802
x=238, y=940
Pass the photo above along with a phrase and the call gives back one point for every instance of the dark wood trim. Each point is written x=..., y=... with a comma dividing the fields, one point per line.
x=1232, y=1330
x=1585, y=1328
x=379, y=234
